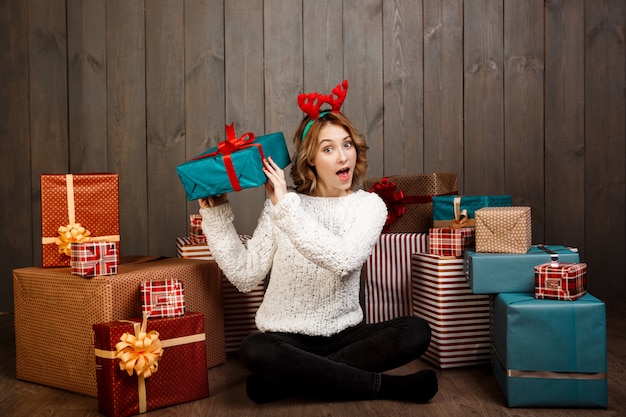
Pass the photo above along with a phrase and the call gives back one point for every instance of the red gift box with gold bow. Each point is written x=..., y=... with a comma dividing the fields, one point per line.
x=77, y=208
x=409, y=198
x=146, y=366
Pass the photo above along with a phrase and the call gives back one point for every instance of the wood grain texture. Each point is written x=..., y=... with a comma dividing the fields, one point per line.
x=434, y=85
x=483, y=97
x=403, y=87
x=469, y=391
x=605, y=147
x=564, y=123
x=443, y=85
x=523, y=108
x=15, y=187
x=126, y=119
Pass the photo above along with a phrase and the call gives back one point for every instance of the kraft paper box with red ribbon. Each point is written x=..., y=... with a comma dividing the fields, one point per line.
x=235, y=164
x=560, y=280
x=450, y=241
x=58, y=309
x=144, y=365
x=459, y=320
x=409, y=198
x=458, y=211
x=94, y=258
x=550, y=353
x=162, y=298
x=77, y=208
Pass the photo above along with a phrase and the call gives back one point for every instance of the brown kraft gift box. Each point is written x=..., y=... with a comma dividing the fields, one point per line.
x=409, y=198
x=58, y=309
x=91, y=200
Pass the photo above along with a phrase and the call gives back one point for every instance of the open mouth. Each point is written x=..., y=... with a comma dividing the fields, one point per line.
x=344, y=174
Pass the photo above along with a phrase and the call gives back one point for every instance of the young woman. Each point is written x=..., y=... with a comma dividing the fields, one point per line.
x=314, y=240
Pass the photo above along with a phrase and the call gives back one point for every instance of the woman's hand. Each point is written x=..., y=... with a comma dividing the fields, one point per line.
x=213, y=201
x=276, y=185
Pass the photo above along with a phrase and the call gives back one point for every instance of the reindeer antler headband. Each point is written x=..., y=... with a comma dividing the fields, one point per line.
x=311, y=103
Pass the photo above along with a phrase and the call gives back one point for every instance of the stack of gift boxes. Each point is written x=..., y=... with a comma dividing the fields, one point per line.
x=489, y=294
x=81, y=303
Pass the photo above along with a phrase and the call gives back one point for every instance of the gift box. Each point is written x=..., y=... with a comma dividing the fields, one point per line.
x=459, y=320
x=57, y=308
x=492, y=273
x=450, y=242
x=447, y=208
x=77, y=208
x=179, y=349
x=409, y=198
x=164, y=298
x=388, y=275
x=560, y=280
x=503, y=229
x=550, y=353
x=196, y=235
x=233, y=165
x=93, y=258
x=185, y=248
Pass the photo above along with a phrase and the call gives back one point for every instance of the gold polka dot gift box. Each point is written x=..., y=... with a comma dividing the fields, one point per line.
x=503, y=230
x=77, y=208
x=173, y=369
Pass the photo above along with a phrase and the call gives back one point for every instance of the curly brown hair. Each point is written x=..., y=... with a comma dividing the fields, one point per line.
x=303, y=172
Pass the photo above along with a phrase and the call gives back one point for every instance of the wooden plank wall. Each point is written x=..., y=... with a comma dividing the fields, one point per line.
x=524, y=97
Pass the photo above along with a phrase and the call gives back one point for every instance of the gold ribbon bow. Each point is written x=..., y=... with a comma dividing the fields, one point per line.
x=140, y=352
x=460, y=216
x=71, y=233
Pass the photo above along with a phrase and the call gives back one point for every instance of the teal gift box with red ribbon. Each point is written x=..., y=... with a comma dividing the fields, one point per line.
x=235, y=164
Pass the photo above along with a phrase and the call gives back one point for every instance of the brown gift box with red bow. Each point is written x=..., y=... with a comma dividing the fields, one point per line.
x=89, y=199
x=181, y=375
x=409, y=198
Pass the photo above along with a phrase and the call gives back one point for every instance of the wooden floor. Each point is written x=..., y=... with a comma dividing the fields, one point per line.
x=463, y=391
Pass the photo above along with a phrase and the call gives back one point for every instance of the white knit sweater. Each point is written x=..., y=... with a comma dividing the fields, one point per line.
x=314, y=247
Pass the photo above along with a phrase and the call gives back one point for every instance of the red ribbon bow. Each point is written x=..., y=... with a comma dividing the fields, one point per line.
x=231, y=145
x=386, y=189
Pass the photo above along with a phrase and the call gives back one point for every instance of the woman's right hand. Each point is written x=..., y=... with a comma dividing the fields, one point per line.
x=213, y=201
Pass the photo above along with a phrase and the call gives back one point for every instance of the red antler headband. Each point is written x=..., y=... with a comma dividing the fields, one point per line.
x=311, y=103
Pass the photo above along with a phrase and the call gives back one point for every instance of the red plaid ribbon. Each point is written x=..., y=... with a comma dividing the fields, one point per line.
x=450, y=241
x=560, y=281
x=93, y=258
x=163, y=298
x=196, y=235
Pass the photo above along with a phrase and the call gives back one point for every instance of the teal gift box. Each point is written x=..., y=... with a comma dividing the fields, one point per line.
x=493, y=273
x=447, y=207
x=235, y=164
x=550, y=353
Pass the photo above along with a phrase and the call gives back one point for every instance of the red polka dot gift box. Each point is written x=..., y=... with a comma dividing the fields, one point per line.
x=144, y=365
x=77, y=208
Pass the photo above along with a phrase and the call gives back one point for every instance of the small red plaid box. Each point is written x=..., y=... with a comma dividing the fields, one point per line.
x=164, y=298
x=93, y=258
x=196, y=235
x=450, y=242
x=560, y=281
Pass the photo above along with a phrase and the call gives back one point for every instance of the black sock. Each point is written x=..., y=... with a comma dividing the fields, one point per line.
x=262, y=391
x=419, y=387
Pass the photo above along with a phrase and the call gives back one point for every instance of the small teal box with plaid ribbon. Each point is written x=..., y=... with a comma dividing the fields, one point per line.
x=550, y=353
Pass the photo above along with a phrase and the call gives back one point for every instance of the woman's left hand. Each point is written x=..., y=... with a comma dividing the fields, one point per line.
x=276, y=185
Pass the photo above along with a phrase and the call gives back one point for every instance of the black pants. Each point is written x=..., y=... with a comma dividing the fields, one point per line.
x=346, y=365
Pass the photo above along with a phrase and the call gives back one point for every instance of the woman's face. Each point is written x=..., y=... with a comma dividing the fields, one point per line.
x=334, y=161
